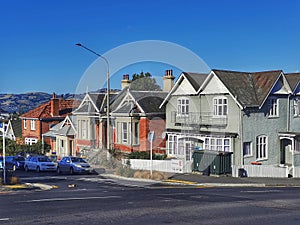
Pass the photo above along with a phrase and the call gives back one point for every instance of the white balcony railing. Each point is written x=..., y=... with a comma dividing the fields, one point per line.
x=196, y=118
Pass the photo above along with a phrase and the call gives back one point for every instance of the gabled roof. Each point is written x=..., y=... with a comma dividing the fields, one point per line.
x=94, y=103
x=249, y=89
x=195, y=79
x=139, y=102
x=44, y=111
x=293, y=80
x=67, y=127
x=17, y=127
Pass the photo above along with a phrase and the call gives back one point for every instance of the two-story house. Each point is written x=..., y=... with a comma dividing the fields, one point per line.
x=232, y=112
x=40, y=119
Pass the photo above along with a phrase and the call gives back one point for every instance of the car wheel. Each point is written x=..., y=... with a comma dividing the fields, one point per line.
x=38, y=169
x=71, y=170
x=26, y=168
x=58, y=170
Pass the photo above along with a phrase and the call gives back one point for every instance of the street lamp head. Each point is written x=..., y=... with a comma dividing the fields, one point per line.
x=78, y=44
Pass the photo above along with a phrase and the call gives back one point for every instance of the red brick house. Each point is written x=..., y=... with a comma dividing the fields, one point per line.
x=135, y=113
x=40, y=119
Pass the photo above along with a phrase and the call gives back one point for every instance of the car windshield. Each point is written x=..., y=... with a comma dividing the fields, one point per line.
x=20, y=158
x=44, y=159
x=78, y=160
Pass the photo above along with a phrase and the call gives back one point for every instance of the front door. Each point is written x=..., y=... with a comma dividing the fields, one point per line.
x=188, y=150
x=285, y=151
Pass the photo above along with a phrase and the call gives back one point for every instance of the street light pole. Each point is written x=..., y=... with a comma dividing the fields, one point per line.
x=107, y=94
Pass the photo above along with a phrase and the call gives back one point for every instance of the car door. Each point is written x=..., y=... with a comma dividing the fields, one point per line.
x=62, y=164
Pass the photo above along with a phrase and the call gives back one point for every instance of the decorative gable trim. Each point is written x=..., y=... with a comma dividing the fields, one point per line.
x=87, y=98
x=129, y=97
x=176, y=86
x=272, y=90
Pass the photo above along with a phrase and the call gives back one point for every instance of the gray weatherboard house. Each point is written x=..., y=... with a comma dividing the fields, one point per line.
x=254, y=118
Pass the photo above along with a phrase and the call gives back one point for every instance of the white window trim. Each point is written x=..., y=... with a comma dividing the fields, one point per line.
x=172, y=145
x=30, y=141
x=296, y=106
x=84, y=129
x=273, y=107
x=183, y=106
x=32, y=125
x=25, y=124
x=216, y=105
x=124, y=131
x=214, y=144
x=259, y=145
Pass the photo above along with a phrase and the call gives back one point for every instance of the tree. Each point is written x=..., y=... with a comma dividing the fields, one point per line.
x=144, y=82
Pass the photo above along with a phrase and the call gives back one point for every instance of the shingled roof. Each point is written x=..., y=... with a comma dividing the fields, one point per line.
x=249, y=89
x=293, y=80
x=44, y=111
x=148, y=102
x=196, y=79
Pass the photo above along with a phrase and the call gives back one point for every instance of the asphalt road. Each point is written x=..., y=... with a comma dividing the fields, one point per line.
x=91, y=199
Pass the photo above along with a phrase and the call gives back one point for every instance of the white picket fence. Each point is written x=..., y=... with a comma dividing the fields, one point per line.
x=169, y=166
x=296, y=173
x=262, y=171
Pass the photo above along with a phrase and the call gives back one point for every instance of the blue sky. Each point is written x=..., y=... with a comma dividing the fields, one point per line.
x=37, y=38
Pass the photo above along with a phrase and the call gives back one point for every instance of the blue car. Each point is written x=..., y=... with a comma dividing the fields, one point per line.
x=8, y=165
x=16, y=162
x=73, y=165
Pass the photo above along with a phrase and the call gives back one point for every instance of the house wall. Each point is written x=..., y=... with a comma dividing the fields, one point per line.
x=294, y=121
x=31, y=133
x=145, y=125
x=257, y=122
x=87, y=134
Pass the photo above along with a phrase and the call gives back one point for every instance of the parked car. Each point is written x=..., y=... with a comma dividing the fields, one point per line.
x=72, y=164
x=17, y=162
x=8, y=165
x=39, y=163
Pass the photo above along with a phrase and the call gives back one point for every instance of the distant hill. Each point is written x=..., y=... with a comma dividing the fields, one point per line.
x=21, y=103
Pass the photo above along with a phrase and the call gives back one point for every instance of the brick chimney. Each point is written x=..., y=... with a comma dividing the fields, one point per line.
x=54, y=105
x=125, y=82
x=168, y=80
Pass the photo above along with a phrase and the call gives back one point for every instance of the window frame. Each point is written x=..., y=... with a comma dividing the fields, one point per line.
x=220, y=109
x=217, y=144
x=262, y=147
x=25, y=124
x=124, y=132
x=273, y=106
x=32, y=125
x=183, y=106
x=172, y=144
x=247, y=149
x=296, y=107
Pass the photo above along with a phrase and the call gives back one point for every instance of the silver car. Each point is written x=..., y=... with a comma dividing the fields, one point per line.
x=72, y=164
x=39, y=163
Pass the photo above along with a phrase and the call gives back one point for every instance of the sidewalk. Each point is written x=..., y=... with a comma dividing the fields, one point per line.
x=196, y=179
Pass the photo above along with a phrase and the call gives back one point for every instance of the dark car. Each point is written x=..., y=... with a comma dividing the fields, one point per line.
x=72, y=164
x=17, y=162
x=8, y=165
